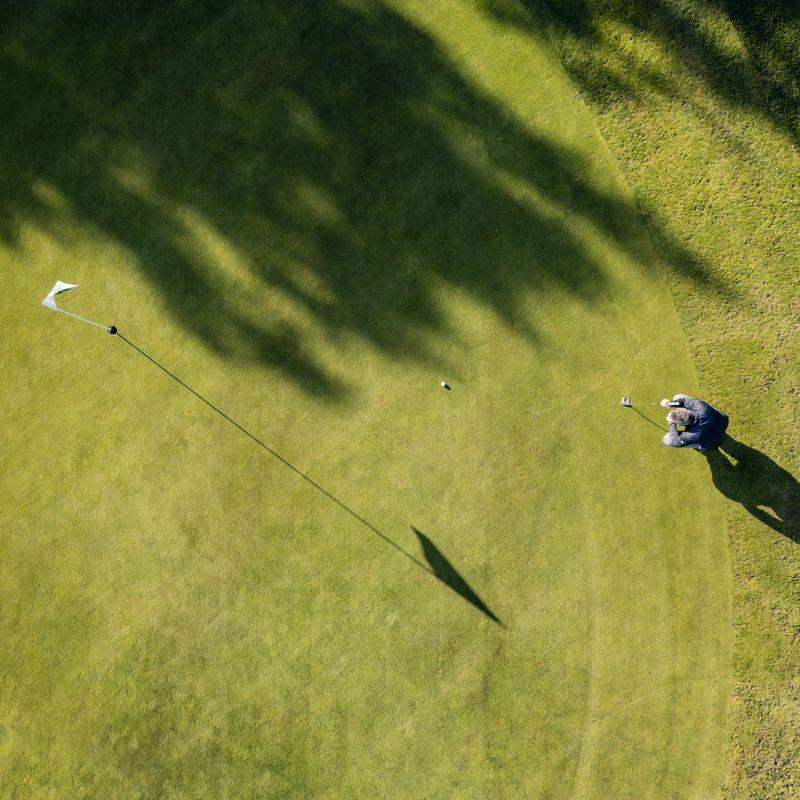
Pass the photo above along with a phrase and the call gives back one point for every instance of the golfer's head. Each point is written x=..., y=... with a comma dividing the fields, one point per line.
x=680, y=416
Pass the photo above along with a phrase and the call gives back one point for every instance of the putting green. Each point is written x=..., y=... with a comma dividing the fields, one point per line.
x=312, y=215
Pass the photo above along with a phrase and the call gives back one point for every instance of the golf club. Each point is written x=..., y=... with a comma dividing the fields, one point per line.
x=628, y=403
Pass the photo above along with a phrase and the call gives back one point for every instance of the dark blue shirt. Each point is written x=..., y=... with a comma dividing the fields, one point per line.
x=706, y=430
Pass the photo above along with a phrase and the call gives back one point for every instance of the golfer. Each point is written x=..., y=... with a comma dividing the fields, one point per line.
x=703, y=426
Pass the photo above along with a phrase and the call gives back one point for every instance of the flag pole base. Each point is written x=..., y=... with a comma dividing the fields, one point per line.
x=112, y=330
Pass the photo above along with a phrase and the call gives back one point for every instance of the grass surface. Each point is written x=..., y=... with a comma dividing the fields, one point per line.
x=312, y=214
x=699, y=104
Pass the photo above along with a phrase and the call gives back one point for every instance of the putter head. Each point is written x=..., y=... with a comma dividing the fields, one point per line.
x=626, y=401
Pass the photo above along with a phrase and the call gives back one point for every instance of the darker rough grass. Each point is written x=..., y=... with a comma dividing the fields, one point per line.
x=721, y=78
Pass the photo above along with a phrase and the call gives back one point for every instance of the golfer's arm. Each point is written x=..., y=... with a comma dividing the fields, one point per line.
x=672, y=439
x=687, y=439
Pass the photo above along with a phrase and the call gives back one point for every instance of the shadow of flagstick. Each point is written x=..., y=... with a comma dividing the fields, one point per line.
x=439, y=567
x=448, y=574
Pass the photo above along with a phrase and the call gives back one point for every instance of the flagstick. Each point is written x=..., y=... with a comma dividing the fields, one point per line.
x=83, y=319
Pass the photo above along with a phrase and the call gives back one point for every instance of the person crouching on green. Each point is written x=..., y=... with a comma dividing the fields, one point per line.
x=703, y=425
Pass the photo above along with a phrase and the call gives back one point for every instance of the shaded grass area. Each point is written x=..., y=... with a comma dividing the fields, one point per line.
x=698, y=101
x=313, y=213
x=745, y=54
x=334, y=144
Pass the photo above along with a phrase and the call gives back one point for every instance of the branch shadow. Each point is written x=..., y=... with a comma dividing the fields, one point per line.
x=334, y=151
x=768, y=492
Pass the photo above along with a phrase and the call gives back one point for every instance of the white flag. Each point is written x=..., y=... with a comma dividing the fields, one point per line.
x=61, y=287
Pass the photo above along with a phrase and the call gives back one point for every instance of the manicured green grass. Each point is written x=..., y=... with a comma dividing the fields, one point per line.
x=312, y=214
x=699, y=103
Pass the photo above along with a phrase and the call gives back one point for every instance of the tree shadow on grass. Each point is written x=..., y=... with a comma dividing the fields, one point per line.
x=679, y=39
x=334, y=150
x=747, y=476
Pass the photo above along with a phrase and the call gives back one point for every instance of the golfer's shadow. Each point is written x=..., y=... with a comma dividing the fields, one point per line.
x=765, y=489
